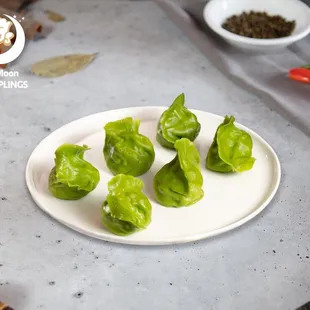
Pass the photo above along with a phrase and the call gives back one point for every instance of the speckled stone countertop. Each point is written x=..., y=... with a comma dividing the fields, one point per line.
x=143, y=60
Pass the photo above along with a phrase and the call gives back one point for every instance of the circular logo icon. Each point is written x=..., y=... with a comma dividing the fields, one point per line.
x=6, y=36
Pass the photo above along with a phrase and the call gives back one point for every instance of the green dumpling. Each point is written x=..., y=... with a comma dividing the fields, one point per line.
x=72, y=177
x=177, y=122
x=179, y=183
x=126, y=209
x=126, y=151
x=231, y=149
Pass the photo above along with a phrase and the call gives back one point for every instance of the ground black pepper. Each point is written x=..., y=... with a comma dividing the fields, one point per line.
x=259, y=25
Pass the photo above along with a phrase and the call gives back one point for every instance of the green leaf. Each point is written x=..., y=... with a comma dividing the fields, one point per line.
x=62, y=65
x=126, y=151
x=72, y=177
x=126, y=209
x=231, y=149
x=306, y=67
x=179, y=183
x=177, y=122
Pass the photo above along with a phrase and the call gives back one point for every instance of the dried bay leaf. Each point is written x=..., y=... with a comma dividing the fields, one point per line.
x=62, y=65
x=55, y=17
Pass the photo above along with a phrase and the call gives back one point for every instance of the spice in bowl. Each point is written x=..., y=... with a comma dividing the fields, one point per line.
x=259, y=25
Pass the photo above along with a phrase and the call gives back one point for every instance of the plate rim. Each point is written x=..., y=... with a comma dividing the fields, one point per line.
x=170, y=241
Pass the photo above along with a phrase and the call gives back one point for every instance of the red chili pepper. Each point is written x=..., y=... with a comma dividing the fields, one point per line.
x=300, y=74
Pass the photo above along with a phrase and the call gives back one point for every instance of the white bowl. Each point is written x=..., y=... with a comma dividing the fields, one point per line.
x=217, y=11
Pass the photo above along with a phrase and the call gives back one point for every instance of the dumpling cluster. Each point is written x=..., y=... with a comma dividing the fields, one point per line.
x=129, y=154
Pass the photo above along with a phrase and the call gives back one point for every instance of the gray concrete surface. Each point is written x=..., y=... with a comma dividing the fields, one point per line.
x=143, y=60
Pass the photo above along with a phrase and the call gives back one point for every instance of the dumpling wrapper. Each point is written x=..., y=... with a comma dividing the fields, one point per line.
x=179, y=183
x=72, y=177
x=126, y=151
x=126, y=209
x=231, y=149
x=177, y=122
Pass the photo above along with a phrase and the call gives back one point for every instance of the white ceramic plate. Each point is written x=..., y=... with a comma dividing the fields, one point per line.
x=229, y=201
